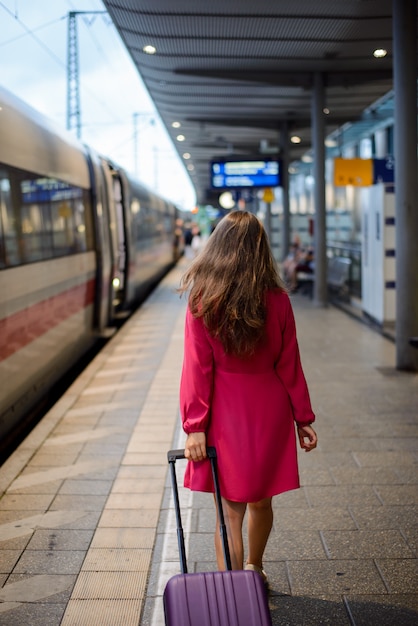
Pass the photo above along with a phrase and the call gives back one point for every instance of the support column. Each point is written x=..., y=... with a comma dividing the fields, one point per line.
x=285, y=158
x=406, y=220
x=318, y=138
x=267, y=223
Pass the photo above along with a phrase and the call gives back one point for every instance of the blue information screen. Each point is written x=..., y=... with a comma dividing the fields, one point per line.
x=41, y=190
x=245, y=174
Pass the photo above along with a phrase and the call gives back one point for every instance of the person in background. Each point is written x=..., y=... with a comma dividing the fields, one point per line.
x=178, y=239
x=188, y=238
x=196, y=241
x=290, y=264
x=242, y=386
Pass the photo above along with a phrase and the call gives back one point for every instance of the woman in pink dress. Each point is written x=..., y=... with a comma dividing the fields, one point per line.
x=242, y=386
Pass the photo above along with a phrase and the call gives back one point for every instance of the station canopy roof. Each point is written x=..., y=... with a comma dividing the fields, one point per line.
x=234, y=73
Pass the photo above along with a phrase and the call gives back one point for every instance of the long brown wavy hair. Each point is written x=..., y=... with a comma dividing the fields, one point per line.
x=228, y=282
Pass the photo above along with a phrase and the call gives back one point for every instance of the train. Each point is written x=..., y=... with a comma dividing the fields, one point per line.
x=81, y=244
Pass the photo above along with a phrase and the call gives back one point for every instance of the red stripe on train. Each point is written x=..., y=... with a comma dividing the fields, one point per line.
x=20, y=329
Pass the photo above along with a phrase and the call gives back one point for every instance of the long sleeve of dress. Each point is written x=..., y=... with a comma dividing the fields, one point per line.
x=289, y=369
x=197, y=377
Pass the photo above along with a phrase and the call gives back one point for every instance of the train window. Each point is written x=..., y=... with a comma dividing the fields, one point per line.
x=2, y=243
x=68, y=221
x=11, y=244
x=35, y=230
x=42, y=217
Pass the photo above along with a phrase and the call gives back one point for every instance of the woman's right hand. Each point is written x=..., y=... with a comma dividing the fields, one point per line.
x=195, y=447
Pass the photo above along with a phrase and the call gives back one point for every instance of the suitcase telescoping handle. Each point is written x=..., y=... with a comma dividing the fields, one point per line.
x=173, y=456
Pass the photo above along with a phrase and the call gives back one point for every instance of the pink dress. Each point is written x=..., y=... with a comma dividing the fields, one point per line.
x=247, y=407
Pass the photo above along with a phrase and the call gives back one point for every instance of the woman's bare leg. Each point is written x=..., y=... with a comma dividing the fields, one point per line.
x=260, y=522
x=234, y=515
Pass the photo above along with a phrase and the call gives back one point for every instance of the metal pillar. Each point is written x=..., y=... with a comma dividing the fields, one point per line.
x=255, y=204
x=318, y=138
x=73, y=81
x=267, y=223
x=73, y=76
x=285, y=158
x=405, y=49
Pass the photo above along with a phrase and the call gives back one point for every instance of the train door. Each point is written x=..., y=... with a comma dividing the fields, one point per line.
x=122, y=251
x=118, y=239
x=104, y=256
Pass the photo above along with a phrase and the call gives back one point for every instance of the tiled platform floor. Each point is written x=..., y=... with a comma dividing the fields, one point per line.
x=87, y=534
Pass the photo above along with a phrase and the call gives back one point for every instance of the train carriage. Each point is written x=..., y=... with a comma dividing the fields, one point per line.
x=80, y=242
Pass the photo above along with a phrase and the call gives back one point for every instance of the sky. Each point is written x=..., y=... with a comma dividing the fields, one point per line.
x=33, y=66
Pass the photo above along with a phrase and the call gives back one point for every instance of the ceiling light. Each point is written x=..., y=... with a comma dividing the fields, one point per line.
x=176, y=124
x=190, y=167
x=331, y=143
x=379, y=53
x=226, y=200
x=186, y=155
x=180, y=137
x=326, y=110
x=307, y=158
x=295, y=139
x=149, y=49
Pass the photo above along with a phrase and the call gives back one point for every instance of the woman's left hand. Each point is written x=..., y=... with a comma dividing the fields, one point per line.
x=308, y=438
x=195, y=447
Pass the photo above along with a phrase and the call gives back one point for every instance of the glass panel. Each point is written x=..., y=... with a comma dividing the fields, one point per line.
x=2, y=243
x=10, y=222
x=63, y=221
x=41, y=218
x=36, y=221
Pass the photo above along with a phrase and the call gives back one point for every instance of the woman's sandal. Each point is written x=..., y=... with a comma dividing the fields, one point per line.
x=259, y=570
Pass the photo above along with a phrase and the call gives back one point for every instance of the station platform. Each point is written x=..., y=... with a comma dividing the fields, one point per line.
x=87, y=527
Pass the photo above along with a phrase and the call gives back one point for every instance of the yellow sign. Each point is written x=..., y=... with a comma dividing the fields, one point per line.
x=268, y=195
x=356, y=172
x=64, y=210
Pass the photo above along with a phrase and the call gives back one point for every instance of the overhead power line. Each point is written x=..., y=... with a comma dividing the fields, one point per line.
x=32, y=34
x=29, y=32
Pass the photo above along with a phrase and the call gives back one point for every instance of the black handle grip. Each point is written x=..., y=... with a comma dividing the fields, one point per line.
x=175, y=455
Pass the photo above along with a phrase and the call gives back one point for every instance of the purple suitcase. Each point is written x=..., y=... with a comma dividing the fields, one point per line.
x=230, y=598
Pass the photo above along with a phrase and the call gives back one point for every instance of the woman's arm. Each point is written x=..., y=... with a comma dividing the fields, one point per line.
x=196, y=386
x=289, y=369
